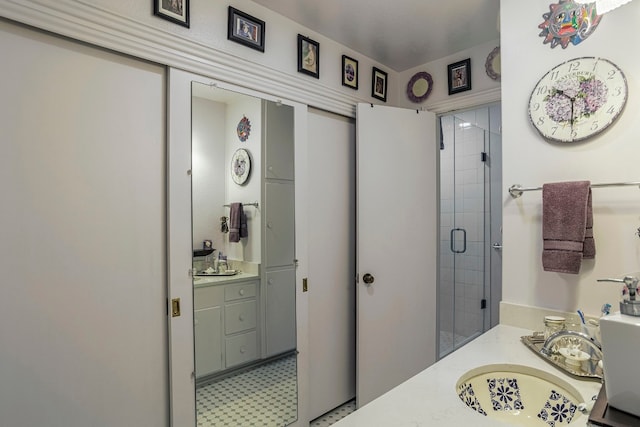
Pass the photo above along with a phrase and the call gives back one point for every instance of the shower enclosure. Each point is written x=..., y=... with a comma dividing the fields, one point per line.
x=469, y=287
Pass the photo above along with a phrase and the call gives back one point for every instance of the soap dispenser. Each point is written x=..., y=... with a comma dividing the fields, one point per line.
x=628, y=304
x=620, y=334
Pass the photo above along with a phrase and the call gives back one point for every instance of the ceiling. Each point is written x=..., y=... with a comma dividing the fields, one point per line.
x=399, y=34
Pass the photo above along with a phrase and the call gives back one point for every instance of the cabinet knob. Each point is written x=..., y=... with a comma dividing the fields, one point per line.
x=270, y=281
x=243, y=349
x=241, y=292
x=269, y=225
x=241, y=317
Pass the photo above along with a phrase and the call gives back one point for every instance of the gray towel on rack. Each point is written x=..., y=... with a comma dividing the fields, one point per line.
x=567, y=226
x=237, y=223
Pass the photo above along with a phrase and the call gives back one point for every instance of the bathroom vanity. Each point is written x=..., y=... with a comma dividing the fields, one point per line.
x=430, y=398
x=226, y=322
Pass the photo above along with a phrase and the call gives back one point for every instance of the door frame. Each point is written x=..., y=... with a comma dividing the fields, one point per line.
x=182, y=399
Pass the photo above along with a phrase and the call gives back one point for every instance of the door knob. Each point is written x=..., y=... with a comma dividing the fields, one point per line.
x=368, y=279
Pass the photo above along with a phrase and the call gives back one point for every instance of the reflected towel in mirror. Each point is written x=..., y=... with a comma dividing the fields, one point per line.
x=237, y=223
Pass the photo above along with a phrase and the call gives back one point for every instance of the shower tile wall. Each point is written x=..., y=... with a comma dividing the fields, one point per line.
x=462, y=205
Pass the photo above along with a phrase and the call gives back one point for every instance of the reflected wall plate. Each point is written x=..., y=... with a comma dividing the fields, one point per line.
x=244, y=129
x=419, y=86
x=492, y=65
x=240, y=166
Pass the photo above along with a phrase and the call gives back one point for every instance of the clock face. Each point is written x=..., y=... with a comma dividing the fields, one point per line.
x=578, y=99
x=240, y=166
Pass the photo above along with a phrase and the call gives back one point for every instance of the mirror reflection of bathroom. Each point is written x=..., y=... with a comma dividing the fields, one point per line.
x=243, y=259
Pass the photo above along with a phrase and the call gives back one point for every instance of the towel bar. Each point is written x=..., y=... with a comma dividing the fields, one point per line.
x=516, y=190
x=245, y=204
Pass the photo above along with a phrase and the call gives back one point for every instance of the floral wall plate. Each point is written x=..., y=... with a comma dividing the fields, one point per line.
x=240, y=166
x=492, y=65
x=419, y=86
x=244, y=129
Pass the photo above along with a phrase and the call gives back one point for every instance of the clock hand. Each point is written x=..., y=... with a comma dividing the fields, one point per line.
x=572, y=100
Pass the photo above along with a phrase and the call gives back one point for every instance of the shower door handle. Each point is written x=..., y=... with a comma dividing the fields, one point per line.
x=464, y=240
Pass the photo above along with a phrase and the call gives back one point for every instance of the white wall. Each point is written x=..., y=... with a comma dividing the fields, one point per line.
x=248, y=249
x=208, y=171
x=209, y=27
x=531, y=161
x=480, y=81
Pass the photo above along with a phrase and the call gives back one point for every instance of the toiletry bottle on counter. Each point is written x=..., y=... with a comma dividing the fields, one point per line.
x=222, y=264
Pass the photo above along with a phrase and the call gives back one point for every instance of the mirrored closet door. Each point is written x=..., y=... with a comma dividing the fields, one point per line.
x=243, y=259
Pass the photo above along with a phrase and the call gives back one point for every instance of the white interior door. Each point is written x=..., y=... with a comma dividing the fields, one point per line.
x=396, y=247
x=82, y=238
x=332, y=321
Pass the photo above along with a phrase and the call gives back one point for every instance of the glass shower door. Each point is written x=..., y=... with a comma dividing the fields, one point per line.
x=463, y=214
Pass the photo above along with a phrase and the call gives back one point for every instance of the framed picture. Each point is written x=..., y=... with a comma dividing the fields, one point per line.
x=245, y=29
x=459, y=75
x=349, y=72
x=379, y=84
x=172, y=10
x=308, y=56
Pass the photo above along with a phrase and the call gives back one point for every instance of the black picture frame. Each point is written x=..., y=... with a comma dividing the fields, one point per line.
x=379, y=84
x=245, y=29
x=176, y=11
x=349, y=72
x=459, y=76
x=308, y=56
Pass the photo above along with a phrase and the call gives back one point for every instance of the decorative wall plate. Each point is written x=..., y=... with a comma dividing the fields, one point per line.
x=492, y=64
x=419, y=86
x=567, y=22
x=244, y=129
x=240, y=166
x=578, y=99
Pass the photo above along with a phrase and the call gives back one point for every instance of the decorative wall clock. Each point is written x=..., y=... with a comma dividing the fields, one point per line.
x=240, y=166
x=244, y=129
x=568, y=22
x=578, y=99
x=419, y=86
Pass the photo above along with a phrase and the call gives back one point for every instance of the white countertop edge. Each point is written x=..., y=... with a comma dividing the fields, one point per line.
x=430, y=399
x=223, y=280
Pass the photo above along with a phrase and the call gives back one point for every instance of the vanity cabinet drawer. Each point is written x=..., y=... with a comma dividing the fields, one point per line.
x=241, y=349
x=239, y=317
x=209, y=296
x=241, y=291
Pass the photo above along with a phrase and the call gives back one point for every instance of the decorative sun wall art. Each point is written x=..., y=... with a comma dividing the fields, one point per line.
x=568, y=22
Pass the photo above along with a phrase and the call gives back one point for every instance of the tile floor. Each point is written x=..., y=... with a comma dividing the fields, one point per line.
x=265, y=396
x=262, y=397
x=334, y=416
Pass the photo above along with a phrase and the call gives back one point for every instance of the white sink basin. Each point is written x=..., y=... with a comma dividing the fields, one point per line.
x=519, y=395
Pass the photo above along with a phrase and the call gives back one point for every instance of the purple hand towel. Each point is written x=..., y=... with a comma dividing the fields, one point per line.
x=237, y=223
x=567, y=226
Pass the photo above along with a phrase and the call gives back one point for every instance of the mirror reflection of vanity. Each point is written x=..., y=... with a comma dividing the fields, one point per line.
x=244, y=315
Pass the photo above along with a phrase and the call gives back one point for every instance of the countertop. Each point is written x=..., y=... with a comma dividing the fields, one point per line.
x=203, y=281
x=430, y=398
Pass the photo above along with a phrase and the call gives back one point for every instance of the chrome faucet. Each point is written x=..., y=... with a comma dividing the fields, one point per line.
x=595, y=345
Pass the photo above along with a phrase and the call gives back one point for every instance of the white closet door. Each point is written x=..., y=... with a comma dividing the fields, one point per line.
x=82, y=235
x=332, y=301
x=396, y=247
